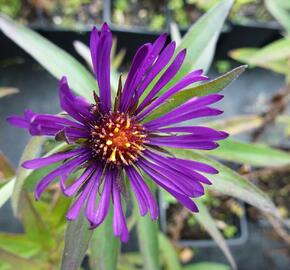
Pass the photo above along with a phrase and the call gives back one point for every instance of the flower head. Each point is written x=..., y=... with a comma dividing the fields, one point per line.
x=108, y=141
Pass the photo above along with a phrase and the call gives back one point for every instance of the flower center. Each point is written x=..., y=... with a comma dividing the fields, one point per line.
x=117, y=139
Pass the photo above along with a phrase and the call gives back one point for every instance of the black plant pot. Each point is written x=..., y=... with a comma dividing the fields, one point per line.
x=239, y=222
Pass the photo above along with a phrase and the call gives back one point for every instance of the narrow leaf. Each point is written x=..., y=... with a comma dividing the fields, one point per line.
x=31, y=150
x=210, y=87
x=168, y=253
x=54, y=59
x=6, y=91
x=6, y=169
x=280, y=9
x=104, y=246
x=206, y=266
x=238, y=124
x=250, y=153
x=206, y=220
x=147, y=231
x=77, y=238
x=202, y=36
x=6, y=191
x=231, y=183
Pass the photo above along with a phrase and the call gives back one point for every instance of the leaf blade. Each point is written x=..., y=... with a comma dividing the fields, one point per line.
x=250, y=153
x=54, y=59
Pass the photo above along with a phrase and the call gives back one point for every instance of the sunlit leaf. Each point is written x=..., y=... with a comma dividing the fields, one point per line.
x=6, y=91
x=250, y=153
x=77, y=238
x=210, y=87
x=104, y=246
x=280, y=9
x=175, y=33
x=168, y=253
x=201, y=38
x=206, y=220
x=237, y=124
x=277, y=50
x=31, y=150
x=54, y=59
x=252, y=57
x=6, y=191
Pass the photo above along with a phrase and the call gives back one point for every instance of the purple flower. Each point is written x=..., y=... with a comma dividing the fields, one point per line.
x=108, y=141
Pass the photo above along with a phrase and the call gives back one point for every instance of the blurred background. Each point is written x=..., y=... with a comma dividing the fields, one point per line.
x=257, y=241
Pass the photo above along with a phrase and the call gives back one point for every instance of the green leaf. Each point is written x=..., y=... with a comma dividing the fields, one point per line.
x=31, y=150
x=280, y=9
x=17, y=262
x=206, y=220
x=18, y=244
x=147, y=231
x=237, y=124
x=243, y=55
x=277, y=50
x=6, y=169
x=199, y=42
x=168, y=253
x=273, y=57
x=6, y=192
x=201, y=38
x=231, y=183
x=35, y=229
x=6, y=91
x=175, y=33
x=207, y=266
x=250, y=153
x=77, y=238
x=55, y=60
x=104, y=246
x=210, y=87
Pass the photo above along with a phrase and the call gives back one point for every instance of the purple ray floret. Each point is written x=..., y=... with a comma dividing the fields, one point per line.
x=110, y=140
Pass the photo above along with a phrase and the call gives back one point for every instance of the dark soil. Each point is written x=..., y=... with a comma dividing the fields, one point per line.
x=181, y=225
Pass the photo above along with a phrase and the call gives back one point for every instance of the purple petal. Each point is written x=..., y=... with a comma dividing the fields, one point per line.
x=119, y=222
x=147, y=195
x=45, y=161
x=140, y=196
x=197, y=131
x=187, y=80
x=62, y=170
x=103, y=67
x=164, y=79
x=76, y=107
x=160, y=63
x=187, y=202
x=98, y=216
x=134, y=71
x=75, y=209
x=77, y=184
x=176, y=143
x=179, y=118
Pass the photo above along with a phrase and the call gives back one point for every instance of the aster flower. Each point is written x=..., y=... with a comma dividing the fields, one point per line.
x=108, y=141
